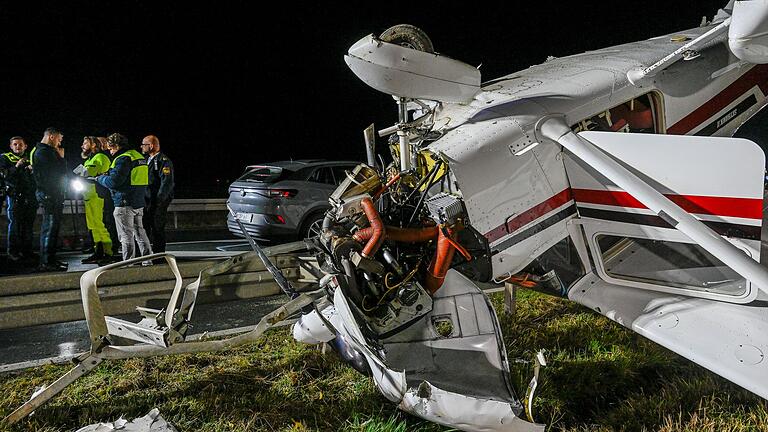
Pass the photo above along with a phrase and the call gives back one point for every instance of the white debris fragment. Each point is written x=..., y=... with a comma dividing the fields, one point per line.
x=151, y=422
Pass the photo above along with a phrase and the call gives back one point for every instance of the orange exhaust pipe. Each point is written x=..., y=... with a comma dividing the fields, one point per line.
x=440, y=264
x=403, y=235
x=377, y=228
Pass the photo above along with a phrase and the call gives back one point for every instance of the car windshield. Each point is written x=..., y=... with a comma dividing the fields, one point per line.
x=264, y=174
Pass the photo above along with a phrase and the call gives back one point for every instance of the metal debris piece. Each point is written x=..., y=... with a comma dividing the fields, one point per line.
x=152, y=422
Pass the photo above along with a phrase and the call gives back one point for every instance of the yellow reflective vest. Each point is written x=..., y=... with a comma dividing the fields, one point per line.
x=139, y=169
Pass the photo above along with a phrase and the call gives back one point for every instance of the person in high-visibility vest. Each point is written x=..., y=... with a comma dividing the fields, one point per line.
x=96, y=163
x=20, y=198
x=108, y=215
x=50, y=171
x=127, y=180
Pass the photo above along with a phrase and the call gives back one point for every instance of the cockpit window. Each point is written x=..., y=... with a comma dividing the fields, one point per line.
x=671, y=264
x=636, y=116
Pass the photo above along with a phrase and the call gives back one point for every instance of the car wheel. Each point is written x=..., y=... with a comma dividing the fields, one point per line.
x=313, y=226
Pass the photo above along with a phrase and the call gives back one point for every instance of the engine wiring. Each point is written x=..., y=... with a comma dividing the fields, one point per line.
x=391, y=288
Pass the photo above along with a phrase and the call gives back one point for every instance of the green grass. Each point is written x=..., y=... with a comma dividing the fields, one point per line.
x=600, y=377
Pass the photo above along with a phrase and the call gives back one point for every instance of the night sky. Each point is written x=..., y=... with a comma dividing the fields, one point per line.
x=224, y=84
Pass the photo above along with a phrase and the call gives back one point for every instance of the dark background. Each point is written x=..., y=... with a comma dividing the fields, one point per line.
x=224, y=84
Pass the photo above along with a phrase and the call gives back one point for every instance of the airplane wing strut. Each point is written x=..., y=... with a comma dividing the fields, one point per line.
x=554, y=128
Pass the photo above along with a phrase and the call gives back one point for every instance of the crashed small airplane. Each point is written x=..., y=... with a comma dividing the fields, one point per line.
x=608, y=177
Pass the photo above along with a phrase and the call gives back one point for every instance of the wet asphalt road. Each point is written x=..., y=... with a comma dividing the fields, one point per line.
x=29, y=346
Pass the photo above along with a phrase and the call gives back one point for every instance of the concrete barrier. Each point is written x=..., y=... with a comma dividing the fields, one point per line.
x=44, y=299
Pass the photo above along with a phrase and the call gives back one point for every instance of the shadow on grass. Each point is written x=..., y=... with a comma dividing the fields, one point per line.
x=601, y=376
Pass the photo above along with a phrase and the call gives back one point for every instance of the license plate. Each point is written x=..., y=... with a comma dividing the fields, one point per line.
x=244, y=217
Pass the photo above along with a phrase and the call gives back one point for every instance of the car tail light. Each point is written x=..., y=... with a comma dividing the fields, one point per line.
x=275, y=219
x=281, y=193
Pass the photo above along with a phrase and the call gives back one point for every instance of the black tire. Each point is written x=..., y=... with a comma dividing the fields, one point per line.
x=312, y=226
x=408, y=36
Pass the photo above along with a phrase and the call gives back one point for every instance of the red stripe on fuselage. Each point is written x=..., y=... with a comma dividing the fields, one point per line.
x=735, y=207
x=757, y=76
x=750, y=208
x=529, y=215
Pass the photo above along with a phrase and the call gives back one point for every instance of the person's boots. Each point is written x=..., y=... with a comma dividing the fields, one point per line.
x=98, y=254
x=110, y=255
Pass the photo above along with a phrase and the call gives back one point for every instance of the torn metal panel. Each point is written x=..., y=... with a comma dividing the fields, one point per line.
x=152, y=422
x=464, y=412
x=435, y=382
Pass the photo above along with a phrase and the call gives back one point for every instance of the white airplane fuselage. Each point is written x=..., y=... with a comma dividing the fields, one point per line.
x=525, y=200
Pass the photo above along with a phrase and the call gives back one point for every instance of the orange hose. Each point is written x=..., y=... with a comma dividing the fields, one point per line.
x=362, y=235
x=522, y=279
x=462, y=250
x=377, y=226
x=440, y=264
x=404, y=235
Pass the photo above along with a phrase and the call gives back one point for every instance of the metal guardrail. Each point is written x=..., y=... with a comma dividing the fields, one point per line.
x=177, y=206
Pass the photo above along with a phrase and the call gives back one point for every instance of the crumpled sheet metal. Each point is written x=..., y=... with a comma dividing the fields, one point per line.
x=152, y=422
x=463, y=412
x=438, y=406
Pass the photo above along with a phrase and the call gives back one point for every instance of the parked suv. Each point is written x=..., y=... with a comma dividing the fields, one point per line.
x=282, y=201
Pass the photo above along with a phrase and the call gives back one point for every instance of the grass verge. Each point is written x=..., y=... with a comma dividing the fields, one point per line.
x=600, y=377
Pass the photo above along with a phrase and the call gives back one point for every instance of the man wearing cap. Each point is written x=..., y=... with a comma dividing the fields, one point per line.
x=127, y=181
x=50, y=171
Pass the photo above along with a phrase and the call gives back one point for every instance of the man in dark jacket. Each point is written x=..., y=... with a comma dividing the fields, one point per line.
x=21, y=203
x=127, y=180
x=159, y=191
x=50, y=172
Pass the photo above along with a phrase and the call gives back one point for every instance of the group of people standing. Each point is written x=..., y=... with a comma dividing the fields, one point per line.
x=125, y=191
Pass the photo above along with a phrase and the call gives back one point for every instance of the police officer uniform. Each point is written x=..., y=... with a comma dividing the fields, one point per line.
x=159, y=196
x=19, y=186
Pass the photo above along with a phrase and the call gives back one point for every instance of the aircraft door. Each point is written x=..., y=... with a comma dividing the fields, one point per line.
x=719, y=181
x=651, y=277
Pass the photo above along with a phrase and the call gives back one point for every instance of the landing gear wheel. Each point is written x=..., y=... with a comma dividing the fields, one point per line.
x=408, y=36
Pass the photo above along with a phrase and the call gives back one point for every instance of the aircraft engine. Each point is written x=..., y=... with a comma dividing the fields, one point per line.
x=390, y=240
